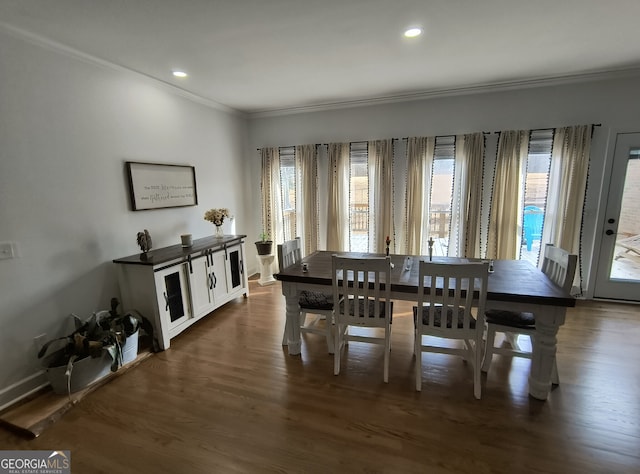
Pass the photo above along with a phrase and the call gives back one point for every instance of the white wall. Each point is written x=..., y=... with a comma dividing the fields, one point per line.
x=66, y=128
x=612, y=102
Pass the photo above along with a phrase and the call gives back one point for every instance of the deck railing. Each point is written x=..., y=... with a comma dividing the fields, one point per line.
x=439, y=220
x=359, y=217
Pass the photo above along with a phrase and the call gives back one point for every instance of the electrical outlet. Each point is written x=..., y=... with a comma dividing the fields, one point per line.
x=9, y=250
x=40, y=341
x=6, y=250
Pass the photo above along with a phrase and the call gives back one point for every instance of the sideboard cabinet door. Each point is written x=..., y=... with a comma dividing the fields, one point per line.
x=219, y=278
x=201, y=284
x=173, y=296
x=235, y=270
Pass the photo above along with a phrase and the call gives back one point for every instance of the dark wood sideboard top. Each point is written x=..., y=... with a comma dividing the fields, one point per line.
x=173, y=252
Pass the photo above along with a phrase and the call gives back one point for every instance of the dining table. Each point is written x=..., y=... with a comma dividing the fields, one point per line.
x=515, y=285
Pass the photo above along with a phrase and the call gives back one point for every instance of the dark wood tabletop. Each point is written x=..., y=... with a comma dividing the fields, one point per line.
x=512, y=280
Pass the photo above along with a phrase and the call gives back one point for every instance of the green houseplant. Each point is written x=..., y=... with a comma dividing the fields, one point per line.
x=104, y=342
x=264, y=245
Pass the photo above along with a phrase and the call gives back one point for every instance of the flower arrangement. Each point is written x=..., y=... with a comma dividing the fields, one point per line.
x=216, y=216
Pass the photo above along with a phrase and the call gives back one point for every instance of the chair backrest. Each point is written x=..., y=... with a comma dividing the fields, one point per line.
x=443, y=288
x=560, y=266
x=361, y=284
x=289, y=253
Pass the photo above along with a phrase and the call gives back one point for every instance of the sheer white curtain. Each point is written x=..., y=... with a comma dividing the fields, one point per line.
x=567, y=185
x=380, y=155
x=307, y=213
x=505, y=221
x=419, y=162
x=464, y=236
x=458, y=211
x=471, y=160
x=271, y=194
x=338, y=205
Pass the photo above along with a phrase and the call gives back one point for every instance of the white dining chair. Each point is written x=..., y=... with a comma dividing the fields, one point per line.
x=448, y=295
x=560, y=266
x=316, y=309
x=362, y=298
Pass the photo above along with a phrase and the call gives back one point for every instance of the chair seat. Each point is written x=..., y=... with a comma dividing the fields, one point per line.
x=437, y=317
x=372, y=309
x=516, y=319
x=315, y=300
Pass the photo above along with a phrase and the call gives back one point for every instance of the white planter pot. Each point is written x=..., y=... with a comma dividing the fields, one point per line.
x=130, y=348
x=89, y=370
x=83, y=373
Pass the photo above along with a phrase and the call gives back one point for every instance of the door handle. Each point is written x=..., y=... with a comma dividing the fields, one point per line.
x=211, y=281
x=190, y=265
x=166, y=300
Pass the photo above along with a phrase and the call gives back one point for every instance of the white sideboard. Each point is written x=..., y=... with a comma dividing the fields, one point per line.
x=175, y=286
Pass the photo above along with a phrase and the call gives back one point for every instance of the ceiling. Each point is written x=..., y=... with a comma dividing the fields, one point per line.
x=257, y=56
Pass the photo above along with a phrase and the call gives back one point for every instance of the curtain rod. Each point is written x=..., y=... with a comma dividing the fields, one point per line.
x=258, y=149
x=450, y=135
x=552, y=128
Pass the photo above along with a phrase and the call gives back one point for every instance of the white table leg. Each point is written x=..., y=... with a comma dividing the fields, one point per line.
x=548, y=321
x=290, y=293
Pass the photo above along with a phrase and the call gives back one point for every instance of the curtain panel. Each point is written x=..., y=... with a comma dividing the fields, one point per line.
x=505, y=226
x=472, y=159
x=271, y=194
x=380, y=155
x=567, y=186
x=420, y=152
x=338, y=204
x=458, y=201
x=307, y=175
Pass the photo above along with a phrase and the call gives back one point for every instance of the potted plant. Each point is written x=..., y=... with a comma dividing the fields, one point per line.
x=101, y=344
x=264, y=245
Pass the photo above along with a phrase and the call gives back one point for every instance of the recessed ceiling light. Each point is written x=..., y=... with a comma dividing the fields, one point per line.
x=413, y=32
x=180, y=74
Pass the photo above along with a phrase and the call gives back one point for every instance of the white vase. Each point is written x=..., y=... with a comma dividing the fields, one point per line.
x=219, y=232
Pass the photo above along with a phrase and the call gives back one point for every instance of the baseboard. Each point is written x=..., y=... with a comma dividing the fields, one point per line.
x=22, y=389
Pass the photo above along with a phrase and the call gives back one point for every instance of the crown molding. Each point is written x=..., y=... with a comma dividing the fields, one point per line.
x=88, y=58
x=328, y=106
x=456, y=91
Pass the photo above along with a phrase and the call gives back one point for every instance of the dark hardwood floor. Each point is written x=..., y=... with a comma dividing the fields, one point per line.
x=227, y=398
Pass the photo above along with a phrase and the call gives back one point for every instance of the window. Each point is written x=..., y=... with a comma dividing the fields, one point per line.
x=438, y=221
x=288, y=185
x=358, y=197
x=535, y=182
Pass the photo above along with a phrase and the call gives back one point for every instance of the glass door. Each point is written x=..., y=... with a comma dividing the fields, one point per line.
x=234, y=268
x=173, y=301
x=618, y=274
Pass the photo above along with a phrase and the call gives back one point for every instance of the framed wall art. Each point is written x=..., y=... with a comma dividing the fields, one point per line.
x=158, y=186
